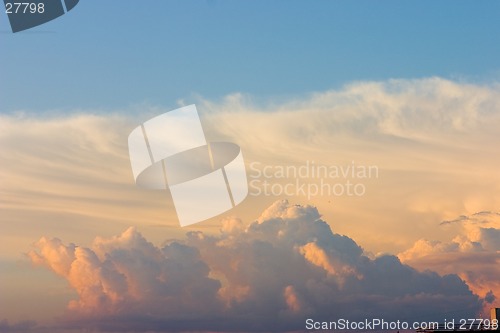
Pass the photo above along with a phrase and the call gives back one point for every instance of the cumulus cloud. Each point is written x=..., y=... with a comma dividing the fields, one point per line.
x=269, y=275
x=473, y=253
x=127, y=274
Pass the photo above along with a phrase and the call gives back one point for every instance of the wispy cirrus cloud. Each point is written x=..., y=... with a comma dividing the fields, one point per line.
x=434, y=141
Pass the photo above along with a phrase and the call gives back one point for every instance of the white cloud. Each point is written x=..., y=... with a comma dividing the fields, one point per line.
x=430, y=109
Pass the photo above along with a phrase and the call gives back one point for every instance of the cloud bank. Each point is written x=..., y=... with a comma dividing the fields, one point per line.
x=435, y=142
x=268, y=275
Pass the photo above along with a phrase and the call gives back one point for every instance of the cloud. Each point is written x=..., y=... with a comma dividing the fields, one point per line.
x=74, y=168
x=434, y=142
x=426, y=110
x=127, y=274
x=269, y=275
x=473, y=253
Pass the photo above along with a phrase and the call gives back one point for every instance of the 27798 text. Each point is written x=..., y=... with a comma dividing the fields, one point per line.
x=24, y=8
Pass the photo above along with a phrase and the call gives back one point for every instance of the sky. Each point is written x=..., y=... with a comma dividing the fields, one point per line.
x=116, y=54
x=410, y=90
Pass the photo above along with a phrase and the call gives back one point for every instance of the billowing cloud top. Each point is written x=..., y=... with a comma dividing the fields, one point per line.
x=269, y=275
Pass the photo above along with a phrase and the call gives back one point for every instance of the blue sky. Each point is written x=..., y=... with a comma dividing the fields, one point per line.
x=115, y=54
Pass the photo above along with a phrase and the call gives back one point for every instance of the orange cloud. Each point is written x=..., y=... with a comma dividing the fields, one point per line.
x=473, y=254
x=266, y=275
